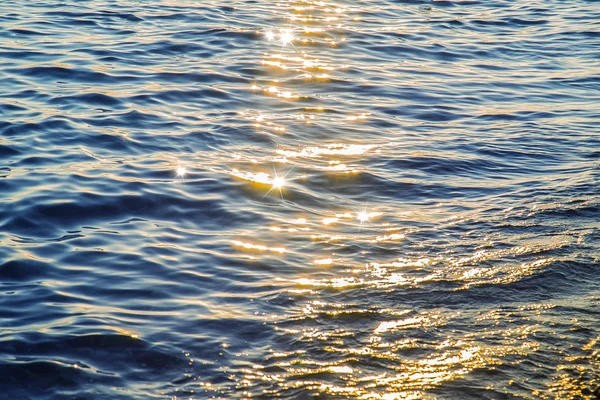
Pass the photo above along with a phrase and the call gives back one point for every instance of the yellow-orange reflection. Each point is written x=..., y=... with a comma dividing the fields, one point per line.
x=258, y=247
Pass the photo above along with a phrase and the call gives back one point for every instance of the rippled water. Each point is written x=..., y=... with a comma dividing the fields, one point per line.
x=371, y=199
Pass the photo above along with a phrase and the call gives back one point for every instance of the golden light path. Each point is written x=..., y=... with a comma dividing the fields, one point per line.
x=290, y=69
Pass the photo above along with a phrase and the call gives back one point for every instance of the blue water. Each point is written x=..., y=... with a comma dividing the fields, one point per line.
x=386, y=199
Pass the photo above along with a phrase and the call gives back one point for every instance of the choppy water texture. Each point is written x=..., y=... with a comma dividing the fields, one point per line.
x=371, y=199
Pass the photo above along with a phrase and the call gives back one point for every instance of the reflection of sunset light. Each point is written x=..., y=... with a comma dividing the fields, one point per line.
x=344, y=215
x=392, y=237
x=329, y=150
x=250, y=246
x=333, y=255
x=181, y=171
x=278, y=182
x=363, y=216
x=260, y=177
x=286, y=37
x=401, y=324
x=340, y=369
x=357, y=117
x=287, y=95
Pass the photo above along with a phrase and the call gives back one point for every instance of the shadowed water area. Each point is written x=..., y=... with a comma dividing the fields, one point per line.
x=256, y=199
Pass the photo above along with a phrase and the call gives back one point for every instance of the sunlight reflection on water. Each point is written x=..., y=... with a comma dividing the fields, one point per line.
x=376, y=200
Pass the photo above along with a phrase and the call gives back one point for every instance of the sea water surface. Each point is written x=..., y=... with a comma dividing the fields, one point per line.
x=384, y=199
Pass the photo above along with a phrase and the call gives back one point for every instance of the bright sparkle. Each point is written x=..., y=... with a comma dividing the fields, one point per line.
x=363, y=216
x=278, y=182
x=286, y=37
x=181, y=171
x=270, y=36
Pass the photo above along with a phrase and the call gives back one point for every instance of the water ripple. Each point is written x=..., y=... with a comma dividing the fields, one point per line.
x=373, y=200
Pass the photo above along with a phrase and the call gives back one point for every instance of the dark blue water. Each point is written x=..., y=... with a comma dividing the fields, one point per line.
x=371, y=199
